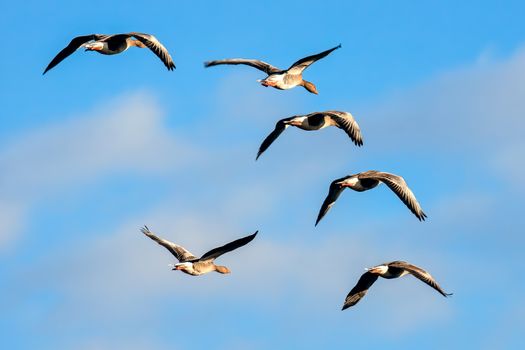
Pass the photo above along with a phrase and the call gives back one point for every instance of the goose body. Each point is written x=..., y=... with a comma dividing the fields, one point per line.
x=189, y=263
x=391, y=270
x=315, y=121
x=366, y=181
x=282, y=79
x=112, y=45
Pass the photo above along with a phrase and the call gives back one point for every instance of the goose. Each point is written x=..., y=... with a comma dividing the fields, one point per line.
x=315, y=121
x=192, y=265
x=112, y=45
x=366, y=181
x=278, y=78
x=389, y=270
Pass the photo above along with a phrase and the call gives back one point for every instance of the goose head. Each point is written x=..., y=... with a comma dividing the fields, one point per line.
x=378, y=270
x=185, y=266
x=95, y=46
x=296, y=121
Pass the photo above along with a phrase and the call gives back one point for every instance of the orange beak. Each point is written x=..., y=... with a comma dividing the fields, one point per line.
x=267, y=83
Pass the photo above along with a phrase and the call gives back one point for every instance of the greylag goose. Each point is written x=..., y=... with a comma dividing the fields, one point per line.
x=315, y=121
x=192, y=265
x=366, y=181
x=389, y=270
x=278, y=78
x=114, y=44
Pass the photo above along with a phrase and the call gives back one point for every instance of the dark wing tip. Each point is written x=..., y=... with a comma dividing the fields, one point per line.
x=207, y=64
x=169, y=63
x=252, y=236
x=352, y=299
x=322, y=212
x=448, y=295
x=258, y=155
x=421, y=216
x=144, y=229
x=48, y=68
x=319, y=217
x=359, y=139
x=347, y=304
x=338, y=46
x=249, y=238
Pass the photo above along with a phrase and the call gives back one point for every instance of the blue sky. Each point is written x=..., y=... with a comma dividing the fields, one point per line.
x=101, y=145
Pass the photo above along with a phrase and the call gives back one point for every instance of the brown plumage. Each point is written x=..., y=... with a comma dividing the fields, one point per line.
x=279, y=78
x=112, y=45
x=366, y=181
x=189, y=263
x=389, y=270
x=316, y=121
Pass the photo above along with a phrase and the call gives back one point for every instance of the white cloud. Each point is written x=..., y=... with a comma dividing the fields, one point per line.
x=123, y=276
x=127, y=341
x=475, y=111
x=11, y=216
x=127, y=134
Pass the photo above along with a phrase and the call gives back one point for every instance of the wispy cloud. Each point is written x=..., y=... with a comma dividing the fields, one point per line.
x=12, y=218
x=125, y=135
x=292, y=270
x=476, y=109
x=124, y=276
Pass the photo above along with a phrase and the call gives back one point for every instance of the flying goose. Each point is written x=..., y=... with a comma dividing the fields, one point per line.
x=366, y=181
x=192, y=265
x=315, y=121
x=278, y=78
x=389, y=270
x=114, y=44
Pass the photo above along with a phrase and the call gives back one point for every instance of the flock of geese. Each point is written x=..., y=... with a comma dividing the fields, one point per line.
x=283, y=80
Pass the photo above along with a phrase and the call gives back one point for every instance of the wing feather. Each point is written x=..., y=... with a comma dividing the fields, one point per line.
x=74, y=44
x=358, y=292
x=280, y=126
x=158, y=49
x=398, y=185
x=346, y=122
x=420, y=274
x=299, y=66
x=216, y=252
x=181, y=253
x=334, y=192
x=260, y=65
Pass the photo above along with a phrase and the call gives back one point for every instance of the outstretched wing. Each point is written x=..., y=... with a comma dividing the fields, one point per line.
x=420, y=274
x=216, y=252
x=158, y=49
x=280, y=126
x=398, y=185
x=72, y=47
x=260, y=65
x=179, y=252
x=346, y=121
x=333, y=193
x=360, y=289
x=303, y=63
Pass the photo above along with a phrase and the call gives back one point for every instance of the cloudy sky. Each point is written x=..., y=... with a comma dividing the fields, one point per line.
x=100, y=146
